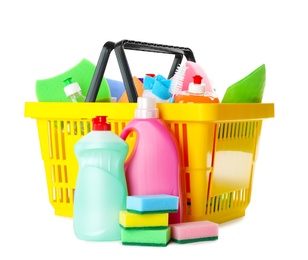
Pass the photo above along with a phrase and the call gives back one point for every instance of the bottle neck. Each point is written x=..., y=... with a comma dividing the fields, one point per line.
x=195, y=94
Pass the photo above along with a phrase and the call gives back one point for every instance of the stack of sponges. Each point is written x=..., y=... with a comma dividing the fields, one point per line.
x=145, y=220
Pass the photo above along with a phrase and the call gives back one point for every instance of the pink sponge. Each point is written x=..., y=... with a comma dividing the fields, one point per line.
x=188, y=232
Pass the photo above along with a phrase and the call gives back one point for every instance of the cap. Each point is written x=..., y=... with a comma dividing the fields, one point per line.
x=146, y=108
x=99, y=124
x=196, y=86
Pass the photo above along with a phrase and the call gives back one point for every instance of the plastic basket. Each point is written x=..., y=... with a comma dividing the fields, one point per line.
x=219, y=142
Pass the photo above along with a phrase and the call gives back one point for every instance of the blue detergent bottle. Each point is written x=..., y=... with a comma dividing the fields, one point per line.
x=101, y=188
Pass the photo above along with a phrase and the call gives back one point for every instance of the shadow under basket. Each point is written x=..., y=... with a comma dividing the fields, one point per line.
x=219, y=144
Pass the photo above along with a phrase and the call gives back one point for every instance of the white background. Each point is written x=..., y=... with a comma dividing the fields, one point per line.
x=41, y=39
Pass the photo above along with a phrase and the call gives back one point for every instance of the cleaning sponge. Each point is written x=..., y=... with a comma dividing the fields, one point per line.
x=247, y=90
x=130, y=220
x=155, y=237
x=188, y=232
x=52, y=89
x=152, y=203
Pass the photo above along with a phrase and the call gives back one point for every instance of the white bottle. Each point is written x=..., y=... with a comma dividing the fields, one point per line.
x=73, y=91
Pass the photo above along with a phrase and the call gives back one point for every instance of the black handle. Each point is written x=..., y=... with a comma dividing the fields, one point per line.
x=119, y=48
x=99, y=71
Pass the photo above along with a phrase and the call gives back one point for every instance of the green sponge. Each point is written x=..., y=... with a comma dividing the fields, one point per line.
x=52, y=89
x=248, y=90
x=141, y=237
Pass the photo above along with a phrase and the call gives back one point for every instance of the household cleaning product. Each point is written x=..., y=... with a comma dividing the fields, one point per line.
x=154, y=165
x=196, y=93
x=101, y=189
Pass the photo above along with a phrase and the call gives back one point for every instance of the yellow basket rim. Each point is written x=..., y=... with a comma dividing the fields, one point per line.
x=169, y=112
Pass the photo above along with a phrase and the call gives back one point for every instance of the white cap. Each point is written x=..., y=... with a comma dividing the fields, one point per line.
x=196, y=88
x=72, y=89
x=146, y=108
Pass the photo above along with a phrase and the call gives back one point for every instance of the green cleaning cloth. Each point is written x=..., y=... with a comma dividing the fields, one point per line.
x=248, y=90
x=52, y=89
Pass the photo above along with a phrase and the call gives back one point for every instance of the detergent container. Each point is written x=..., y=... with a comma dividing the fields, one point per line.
x=101, y=189
x=153, y=166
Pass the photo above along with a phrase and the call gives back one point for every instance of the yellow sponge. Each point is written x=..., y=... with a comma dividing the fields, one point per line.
x=143, y=221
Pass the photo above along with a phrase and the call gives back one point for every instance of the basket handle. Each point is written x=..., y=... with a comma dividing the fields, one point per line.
x=119, y=49
x=99, y=71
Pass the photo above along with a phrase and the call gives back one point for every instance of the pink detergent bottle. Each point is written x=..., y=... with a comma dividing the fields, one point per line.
x=153, y=166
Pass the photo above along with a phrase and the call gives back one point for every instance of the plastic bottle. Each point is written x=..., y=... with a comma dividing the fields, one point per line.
x=153, y=166
x=196, y=93
x=101, y=188
x=73, y=91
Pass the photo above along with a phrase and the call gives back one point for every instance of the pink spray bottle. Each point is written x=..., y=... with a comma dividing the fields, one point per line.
x=153, y=166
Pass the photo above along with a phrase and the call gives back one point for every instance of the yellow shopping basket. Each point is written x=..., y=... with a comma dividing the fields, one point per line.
x=219, y=144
